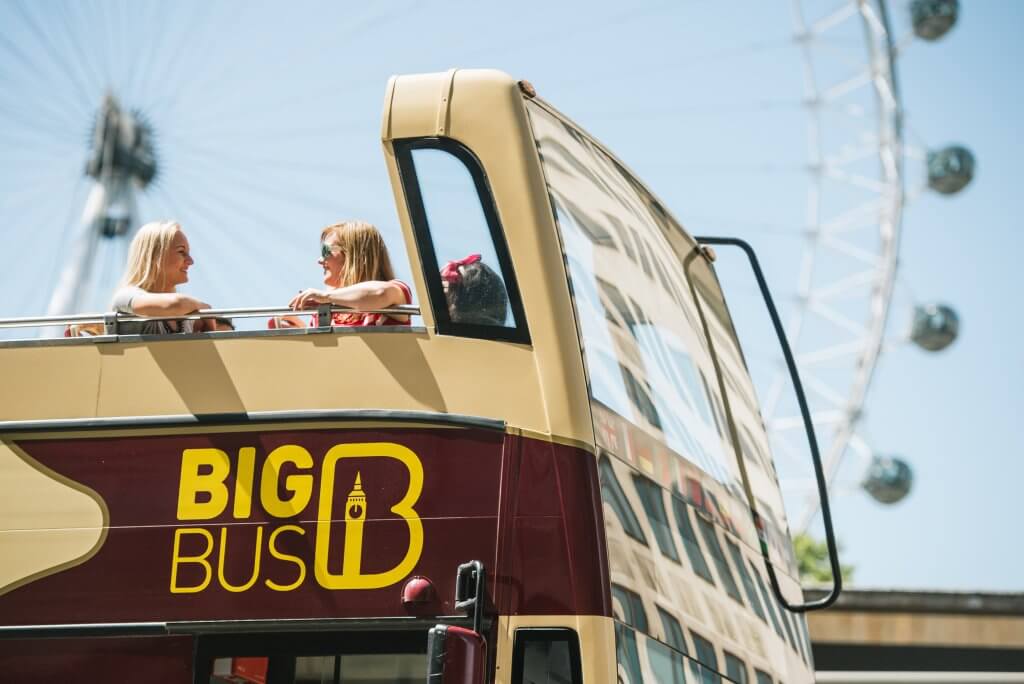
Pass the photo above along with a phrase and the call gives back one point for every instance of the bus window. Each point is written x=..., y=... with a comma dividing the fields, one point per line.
x=690, y=543
x=313, y=657
x=798, y=642
x=666, y=664
x=341, y=669
x=627, y=656
x=735, y=669
x=546, y=656
x=463, y=250
x=654, y=506
x=633, y=616
x=801, y=623
x=748, y=584
x=717, y=555
x=633, y=612
x=762, y=677
x=769, y=605
x=673, y=632
x=612, y=494
x=644, y=316
x=707, y=670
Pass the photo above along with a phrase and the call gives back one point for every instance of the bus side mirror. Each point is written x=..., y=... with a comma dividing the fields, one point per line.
x=812, y=442
x=457, y=655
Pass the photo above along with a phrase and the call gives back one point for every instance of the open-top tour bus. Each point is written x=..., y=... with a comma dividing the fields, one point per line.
x=583, y=492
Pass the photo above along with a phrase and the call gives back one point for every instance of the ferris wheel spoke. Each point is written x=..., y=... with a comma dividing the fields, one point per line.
x=181, y=73
x=196, y=75
x=288, y=101
x=143, y=63
x=81, y=56
x=603, y=23
x=234, y=212
x=832, y=316
x=859, y=80
x=155, y=60
x=237, y=159
x=206, y=217
x=826, y=418
x=858, y=217
x=851, y=283
x=840, y=245
x=43, y=40
x=856, y=180
x=823, y=390
x=831, y=353
x=46, y=129
x=782, y=230
x=712, y=109
x=851, y=155
x=839, y=15
x=849, y=56
x=290, y=196
x=34, y=188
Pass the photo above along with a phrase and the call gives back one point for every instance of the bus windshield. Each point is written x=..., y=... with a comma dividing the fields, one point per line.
x=651, y=317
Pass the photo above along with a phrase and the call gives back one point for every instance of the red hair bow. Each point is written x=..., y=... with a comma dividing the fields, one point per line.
x=450, y=272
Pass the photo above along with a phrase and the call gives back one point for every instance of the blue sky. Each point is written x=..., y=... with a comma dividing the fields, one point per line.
x=268, y=122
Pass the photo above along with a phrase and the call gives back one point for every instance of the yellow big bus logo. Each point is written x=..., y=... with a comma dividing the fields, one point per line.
x=203, y=494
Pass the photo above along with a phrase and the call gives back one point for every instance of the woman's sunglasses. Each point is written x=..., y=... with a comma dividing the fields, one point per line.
x=327, y=250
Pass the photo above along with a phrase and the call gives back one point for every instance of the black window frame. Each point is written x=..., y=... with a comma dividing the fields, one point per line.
x=443, y=323
x=524, y=635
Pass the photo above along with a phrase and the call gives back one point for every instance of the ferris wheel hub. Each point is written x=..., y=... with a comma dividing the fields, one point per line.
x=122, y=145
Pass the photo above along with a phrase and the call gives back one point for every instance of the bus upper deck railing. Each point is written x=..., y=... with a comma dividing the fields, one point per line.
x=111, y=320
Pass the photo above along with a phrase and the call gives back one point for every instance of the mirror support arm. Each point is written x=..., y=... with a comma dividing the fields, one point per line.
x=819, y=473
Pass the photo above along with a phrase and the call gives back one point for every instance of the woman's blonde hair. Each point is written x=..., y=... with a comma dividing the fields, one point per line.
x=366, y=255
x=146, y=253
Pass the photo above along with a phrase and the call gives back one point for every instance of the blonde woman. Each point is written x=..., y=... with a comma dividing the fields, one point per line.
x=358, y=275
x=158, y=261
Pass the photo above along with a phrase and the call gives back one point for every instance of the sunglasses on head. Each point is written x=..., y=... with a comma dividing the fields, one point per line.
x=327, y=250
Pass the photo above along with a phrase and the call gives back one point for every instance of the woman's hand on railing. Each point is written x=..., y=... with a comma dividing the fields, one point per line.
x=279, y=322
x=308, y=299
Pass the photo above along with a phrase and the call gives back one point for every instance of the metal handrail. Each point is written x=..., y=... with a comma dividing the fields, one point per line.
x=248, y=312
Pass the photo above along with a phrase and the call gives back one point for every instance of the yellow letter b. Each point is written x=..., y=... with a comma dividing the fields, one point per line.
x=193, y=483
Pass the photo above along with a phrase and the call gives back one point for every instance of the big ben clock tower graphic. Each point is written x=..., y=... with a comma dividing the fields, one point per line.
x=355, y=515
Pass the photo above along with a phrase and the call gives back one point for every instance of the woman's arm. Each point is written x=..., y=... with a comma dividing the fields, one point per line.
x=371, y=294
x=162, y=304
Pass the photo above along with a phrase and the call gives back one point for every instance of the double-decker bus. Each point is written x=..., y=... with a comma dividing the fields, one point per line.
x=567, y=495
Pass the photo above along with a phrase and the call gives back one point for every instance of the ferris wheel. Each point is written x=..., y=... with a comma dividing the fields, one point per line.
x=120, y=113
x=859, y=185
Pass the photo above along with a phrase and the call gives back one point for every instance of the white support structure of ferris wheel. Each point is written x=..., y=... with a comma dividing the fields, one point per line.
x=863, y=337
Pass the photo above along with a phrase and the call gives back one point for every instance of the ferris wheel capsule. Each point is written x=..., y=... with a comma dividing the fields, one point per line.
x=888, y=479
x=950, y=169
x=933, y=19
x=935, y=327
